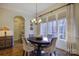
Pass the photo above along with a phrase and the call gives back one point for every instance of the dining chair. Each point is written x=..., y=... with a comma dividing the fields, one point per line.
x=51, y=48
x=27, y=47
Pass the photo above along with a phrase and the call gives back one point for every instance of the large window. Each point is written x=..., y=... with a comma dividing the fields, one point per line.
x=50, y=28
x=55, y=26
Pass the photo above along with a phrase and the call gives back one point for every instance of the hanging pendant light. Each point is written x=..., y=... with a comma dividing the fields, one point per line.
x=36, y=20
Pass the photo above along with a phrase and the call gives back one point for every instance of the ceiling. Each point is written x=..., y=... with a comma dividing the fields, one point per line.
x=27, y=8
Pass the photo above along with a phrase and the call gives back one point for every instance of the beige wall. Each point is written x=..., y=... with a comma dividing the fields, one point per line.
x=6, y=18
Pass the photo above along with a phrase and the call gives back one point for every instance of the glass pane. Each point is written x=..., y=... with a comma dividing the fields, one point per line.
x=43, y=27
x=62, y=28
x=52, y=28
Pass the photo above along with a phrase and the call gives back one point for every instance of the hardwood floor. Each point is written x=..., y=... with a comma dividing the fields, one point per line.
x=17, y=50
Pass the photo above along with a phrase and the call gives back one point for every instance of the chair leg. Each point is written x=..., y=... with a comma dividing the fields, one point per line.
x=50, y=54
x=23, y=52
x=28, y=53
x=54, y=53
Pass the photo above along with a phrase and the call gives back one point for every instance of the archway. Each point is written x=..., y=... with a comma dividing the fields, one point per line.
x=19, y=28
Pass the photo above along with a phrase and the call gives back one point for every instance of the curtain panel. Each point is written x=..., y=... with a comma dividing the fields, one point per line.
x=71, y=41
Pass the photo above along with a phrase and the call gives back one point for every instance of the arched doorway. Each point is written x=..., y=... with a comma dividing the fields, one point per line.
x=19, y=28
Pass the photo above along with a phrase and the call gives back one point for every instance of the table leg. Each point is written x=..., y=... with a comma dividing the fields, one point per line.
x=39, y=50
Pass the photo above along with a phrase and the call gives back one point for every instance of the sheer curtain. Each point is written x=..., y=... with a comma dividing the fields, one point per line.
x=71, y=41
x=77, y=26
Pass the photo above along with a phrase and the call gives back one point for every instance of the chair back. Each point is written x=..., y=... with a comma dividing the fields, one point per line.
x=24, y=43
x=53, y=44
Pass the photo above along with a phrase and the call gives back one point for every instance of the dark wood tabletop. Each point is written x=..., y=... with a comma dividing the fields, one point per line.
x=39, y=40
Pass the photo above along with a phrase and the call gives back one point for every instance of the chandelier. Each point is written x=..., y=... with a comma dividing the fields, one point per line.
x=36, y=20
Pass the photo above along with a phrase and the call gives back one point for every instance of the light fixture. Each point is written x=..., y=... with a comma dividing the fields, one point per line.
x=5, y=29
x=36, y=20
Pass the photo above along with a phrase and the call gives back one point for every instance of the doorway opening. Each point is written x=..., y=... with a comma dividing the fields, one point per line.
x=19, y=28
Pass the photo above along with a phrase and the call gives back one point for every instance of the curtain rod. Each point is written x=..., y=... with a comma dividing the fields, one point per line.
x=55, y=9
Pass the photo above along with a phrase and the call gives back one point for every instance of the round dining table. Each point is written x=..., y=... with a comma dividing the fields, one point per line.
x=40, y=41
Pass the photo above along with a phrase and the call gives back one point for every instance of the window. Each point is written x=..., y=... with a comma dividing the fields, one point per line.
x=52, y=28
x=49, y=30
x=62, y=28
x=43, y=27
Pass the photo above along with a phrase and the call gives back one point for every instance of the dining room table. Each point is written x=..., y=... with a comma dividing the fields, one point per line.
x=40, y=42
